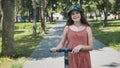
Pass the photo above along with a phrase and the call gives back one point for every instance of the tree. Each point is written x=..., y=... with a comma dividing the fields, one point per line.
x=51, y=10
x=81, y=2
x=117, y=7
x=43, y=15
x=105, y=12
x=34, y=19
x=8, y=27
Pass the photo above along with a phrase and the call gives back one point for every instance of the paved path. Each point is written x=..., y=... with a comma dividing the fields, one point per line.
x=101, y=56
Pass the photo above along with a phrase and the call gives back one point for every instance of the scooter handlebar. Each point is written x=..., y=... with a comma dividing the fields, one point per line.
x=64, y=50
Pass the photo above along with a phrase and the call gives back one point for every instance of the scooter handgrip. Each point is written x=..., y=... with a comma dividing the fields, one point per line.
x=64, y=50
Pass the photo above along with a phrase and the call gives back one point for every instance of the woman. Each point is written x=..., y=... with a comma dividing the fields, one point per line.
x=77, y=35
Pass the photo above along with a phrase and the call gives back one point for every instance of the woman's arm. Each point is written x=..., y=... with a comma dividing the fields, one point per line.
x=90, y=40
x=64, y=37
x=63, y=40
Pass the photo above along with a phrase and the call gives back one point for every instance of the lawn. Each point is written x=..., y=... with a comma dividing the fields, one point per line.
x=110, y=35
x=25, y=43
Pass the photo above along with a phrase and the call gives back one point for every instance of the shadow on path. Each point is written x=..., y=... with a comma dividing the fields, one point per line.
x=112, y=64
x=52, y=39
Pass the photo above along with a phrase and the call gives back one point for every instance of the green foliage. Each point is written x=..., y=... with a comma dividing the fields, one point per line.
x=23, y=25
x=27, y=26
x=6, y=62
x=16, y=65
x=25, y=43
x=24, y=7
x=108, y=35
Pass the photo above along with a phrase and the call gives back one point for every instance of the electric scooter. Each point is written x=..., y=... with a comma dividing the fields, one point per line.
x=65, y=50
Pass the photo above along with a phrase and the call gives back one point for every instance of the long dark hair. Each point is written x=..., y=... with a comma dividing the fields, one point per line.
x=83, y=20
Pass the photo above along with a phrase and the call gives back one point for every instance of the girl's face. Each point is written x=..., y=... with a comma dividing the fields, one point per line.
x=75, y=15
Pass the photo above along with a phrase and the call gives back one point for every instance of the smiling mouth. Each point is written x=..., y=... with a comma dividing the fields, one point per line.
x=75, y=18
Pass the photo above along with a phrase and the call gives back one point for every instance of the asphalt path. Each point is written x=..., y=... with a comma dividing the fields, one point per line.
x=101, y=56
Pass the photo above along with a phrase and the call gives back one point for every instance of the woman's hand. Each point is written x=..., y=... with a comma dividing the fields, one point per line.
x=77, y=49
x=53, y=50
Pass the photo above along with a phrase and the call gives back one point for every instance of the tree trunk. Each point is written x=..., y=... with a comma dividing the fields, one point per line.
x=81, y=2
x=105, y=13
x=8, y=27
x=116, y=7
x=51, y=11
x=34, y=19
x=43, y=19
x=29, y=15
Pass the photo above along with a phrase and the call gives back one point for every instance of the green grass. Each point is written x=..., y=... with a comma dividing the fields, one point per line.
x=110, y=35
x=6, y=62
x=25, y=43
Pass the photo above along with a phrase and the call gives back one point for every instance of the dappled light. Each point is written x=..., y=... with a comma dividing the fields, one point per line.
x=25, y=45
x=108, y=35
